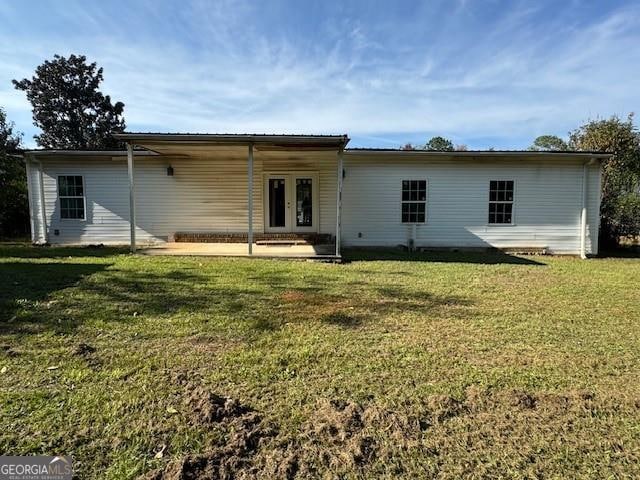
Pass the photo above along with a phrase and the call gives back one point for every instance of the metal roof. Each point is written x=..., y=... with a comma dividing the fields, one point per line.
x=86, y=153
x=488, y=153
x=337, y=141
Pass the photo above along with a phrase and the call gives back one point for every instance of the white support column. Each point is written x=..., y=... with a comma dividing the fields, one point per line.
x=43, y=206
x=250, y=199
x=27, y=163
x=132, y=197
x=583, y=213
x=339, y=201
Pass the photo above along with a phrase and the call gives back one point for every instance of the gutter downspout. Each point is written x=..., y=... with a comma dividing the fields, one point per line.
x=583, y=211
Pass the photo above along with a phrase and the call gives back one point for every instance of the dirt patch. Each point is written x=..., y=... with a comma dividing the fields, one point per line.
x=340, y=437
x=207, y=407
x=88, y=354
x=291, y=296
x=243, y=434
x=444, y=407
x=84, y=350
x=439, y=435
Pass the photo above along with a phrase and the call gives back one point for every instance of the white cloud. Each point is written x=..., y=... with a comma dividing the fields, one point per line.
x=215, y=68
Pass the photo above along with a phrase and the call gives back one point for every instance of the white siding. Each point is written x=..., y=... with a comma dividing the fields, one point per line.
x=203, y=195
x=548, y=200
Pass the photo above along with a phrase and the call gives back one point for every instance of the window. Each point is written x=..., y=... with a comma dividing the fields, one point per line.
x=414, y=201
x=71, y=195
x=501, y=201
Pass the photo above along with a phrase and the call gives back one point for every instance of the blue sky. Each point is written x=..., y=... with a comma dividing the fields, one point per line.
x=483, y=73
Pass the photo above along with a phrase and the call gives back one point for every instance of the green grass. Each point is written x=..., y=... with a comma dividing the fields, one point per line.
x=447, y=365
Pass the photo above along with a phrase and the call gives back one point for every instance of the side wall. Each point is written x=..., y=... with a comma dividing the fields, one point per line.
x=203, y=195
x=548, y=201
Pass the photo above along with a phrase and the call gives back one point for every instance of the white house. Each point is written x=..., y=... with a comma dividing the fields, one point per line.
x=261, y=188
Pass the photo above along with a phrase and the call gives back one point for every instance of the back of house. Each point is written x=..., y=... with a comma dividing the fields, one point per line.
x=251, y=188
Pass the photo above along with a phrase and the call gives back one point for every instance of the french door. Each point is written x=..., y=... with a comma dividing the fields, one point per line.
x=291, y=202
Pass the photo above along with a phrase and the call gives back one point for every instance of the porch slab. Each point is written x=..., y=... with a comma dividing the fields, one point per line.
x=314, y=252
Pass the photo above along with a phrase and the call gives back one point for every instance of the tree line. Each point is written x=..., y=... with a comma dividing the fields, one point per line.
x=73, y=114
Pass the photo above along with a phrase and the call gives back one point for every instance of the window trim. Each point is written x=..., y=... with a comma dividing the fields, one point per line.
x=84, y=198
x=426, y=199
x=513, y=203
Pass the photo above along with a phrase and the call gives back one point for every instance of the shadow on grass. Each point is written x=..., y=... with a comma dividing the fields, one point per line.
x=30, y=251
x=354, y=309
x=342, y=319
x=23, y=283
x=102, y=293
x=491, y=257
x=623, y=252
x=259, y=300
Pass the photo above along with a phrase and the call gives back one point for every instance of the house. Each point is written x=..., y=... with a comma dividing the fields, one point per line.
x=274, y=189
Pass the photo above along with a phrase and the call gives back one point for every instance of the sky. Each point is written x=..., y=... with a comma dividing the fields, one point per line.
x=482, y=73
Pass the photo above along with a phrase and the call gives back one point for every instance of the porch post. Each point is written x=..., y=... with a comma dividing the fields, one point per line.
x=339, y=201
x=27, y=163
x=132, y=198
x=43, y=205
x=250, y=199
x=583, y=213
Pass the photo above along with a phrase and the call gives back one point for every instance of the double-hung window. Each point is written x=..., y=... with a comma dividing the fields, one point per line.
x=71, y=197
x=501, y=202
x=414, y=201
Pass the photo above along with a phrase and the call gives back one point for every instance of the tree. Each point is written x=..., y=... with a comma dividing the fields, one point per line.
x=68, y=106
x=440, y=144
x=14, y=206
x=620, y=208
x=549, y=142
x=408, y=146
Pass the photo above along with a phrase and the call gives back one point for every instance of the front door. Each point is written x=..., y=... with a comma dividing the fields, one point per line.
x=291, y=203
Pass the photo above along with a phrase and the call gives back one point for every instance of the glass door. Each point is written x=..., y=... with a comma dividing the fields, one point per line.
x=304, y=203
x=277, y=204
x=291, y=202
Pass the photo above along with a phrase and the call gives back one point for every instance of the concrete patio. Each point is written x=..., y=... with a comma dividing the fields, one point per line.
x=310, y=252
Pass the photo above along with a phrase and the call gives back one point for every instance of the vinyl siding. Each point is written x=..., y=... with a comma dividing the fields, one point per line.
x=547, y=206
x=203, y=195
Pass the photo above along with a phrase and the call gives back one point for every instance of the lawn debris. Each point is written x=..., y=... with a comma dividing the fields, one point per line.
x=160, y=452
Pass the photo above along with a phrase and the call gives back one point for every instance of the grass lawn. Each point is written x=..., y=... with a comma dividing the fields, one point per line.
x=434, y=365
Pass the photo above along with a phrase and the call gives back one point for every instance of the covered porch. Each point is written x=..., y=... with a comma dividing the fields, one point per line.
x=235, y=195
x=292, y=251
